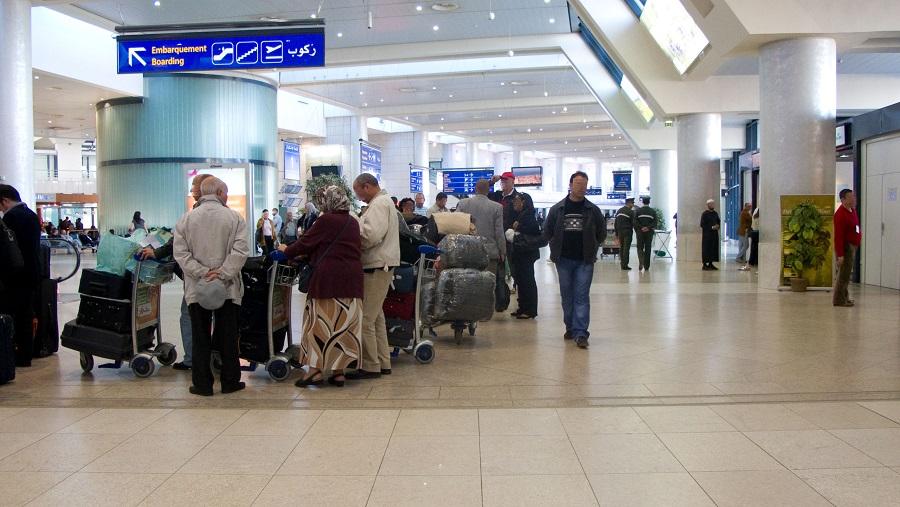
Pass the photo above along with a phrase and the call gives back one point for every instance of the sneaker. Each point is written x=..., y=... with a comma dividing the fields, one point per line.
x=582, y=342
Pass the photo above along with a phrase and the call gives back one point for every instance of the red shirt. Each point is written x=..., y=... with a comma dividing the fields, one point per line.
x=340, y=274
x=846, y=229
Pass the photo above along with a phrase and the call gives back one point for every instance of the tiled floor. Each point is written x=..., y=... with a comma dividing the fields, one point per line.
x=571, y=456
x=698, y=389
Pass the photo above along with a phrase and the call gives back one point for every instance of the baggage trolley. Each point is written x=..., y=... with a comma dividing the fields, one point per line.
x=424, y=324
x=148, y=278
x=280, y=278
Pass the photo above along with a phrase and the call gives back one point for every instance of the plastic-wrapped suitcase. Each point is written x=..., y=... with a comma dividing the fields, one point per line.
x=102, y=342
x=465, y=295
x=104, y=314
x=105, y=285
x=399, y=305
x=463, y=251
x=7, y=350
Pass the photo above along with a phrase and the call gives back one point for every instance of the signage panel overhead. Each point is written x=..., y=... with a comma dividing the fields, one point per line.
x=221, y=50
x=462, y=181
x=370, y=159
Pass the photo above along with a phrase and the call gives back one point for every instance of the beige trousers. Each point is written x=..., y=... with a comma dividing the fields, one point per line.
x=376, y=354
x=841, y=295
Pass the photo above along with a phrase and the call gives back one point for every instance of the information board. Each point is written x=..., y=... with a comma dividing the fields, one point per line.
x=594, y=191
x=415, y=182
x=221, y=50
x=462, y=181
x=291, y=161
x=622, y=181
x=615, y=195
x=370, y=159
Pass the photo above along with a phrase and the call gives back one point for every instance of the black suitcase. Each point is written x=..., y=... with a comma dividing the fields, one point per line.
x=104, y=314
x=104, y=343
x=7, y=352
x=400, y=332
x=254, y=345
x=105, y=285
x=404, y=279
x=46, y=339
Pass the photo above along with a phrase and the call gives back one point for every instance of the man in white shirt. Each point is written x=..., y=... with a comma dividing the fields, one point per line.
x=420, y=205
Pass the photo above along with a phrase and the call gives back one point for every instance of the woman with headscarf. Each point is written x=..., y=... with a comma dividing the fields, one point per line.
x=332, y=324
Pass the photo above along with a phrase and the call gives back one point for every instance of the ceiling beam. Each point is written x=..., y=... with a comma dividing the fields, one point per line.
x=537, y=136
x=495, y=123
x=481, y=105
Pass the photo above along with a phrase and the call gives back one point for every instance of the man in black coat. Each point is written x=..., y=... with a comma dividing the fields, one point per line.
x=710, y=223
x=23, y=284
x=505, y=197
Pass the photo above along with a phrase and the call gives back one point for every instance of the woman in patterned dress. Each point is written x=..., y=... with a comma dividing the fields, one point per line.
x=332, y=326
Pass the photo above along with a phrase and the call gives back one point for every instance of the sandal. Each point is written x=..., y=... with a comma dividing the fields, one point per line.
x=333, y=380
x=313, y=380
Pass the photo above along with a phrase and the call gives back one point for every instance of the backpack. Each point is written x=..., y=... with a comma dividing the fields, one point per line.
x=10, y=254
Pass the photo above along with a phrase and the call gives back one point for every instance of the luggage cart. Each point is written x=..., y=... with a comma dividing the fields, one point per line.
x=148, y=278
x=428, y=273
x=280, y=278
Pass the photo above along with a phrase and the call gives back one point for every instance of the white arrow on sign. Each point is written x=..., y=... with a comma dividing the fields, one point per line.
x=133, y=54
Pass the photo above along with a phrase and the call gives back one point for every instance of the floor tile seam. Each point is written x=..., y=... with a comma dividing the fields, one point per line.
x=504, y=370
x=202, y=448
x=68, y=474
x=831, y=432
x=127, y=435
x=647, y=386
x=878, y=414
x=577, y=457
x=829, y=502
x=383, y=455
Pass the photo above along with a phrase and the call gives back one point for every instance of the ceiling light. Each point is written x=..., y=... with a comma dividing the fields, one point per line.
x=535, y=142
x=37, y=77
x=434, y=143
x=435, y=28
x=546, y=94
x=380, y=100
x=313, y=15
x=406, y=117
x=340, y=34
x=612, y=134
x=515, y=91
x=492, y=15
x=49, y=121
x=91, y=104
x=554, y=112
x=361, y=92
x=157, y=3
x=546, y=1
x=502, y=83
x=566, y=142
x=511, y=53
x=408, y=89
x=442, y=127
x=442, y=118
x=529, y=131
x=565, y=109
x=434, y=87
x=418, y=8
x=445, y=6
x=365, y=104
x=579, y=139
x=451, y=95
x=552, y=20
x=540, y=130
x=499, y=116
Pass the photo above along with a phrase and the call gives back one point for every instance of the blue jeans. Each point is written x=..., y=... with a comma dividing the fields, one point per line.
x=575, y=279
x=185, y=322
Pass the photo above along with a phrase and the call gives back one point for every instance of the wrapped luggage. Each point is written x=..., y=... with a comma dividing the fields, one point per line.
x=464, y=295
x=463, y=251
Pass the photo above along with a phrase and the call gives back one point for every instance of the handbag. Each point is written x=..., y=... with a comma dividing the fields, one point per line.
x=305, y=269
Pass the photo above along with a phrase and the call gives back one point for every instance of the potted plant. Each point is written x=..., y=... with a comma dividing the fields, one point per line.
x=806, y=244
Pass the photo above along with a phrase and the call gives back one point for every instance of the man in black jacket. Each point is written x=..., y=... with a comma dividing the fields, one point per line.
x=625, y=232
x=644, y=226
x=505, y=197
x=27, y=228
x=575, y=229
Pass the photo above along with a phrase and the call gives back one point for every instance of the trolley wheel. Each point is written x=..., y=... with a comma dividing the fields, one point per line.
x=87, y=362
x=142, y=365
x=278, y=368
x=424, y=352
x=472, y=327
x=166, y=354
x=215, y=361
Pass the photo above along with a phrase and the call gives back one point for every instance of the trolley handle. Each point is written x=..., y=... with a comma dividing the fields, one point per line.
x=428, y=250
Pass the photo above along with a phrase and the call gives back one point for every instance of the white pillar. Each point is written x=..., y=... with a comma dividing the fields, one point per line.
x=420, y=158
x=798, y=99
x=664, y=183
x=699, y=177
x=16, y=109
x=447, y=155
x=470, y=154
x=358, y=130
x=516, y=158
x=636, y=183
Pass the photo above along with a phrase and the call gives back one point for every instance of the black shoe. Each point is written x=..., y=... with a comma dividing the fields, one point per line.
x=181, y=367
x=626, y=268
x=516, y=313
x=235, y=388
x=706, y=268
x=385, y=371
x=567, y=336
x=335, y=382
x=713, y=268
x=525, y=316
x=312, y=380
x=582, y=342
x=363, y=374
x=200, y=392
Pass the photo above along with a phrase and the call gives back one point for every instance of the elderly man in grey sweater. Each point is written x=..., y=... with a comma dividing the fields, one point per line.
x=211, y=245
x=487, y=216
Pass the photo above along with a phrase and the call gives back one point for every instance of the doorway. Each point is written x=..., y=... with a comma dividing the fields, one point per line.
x=881, y=218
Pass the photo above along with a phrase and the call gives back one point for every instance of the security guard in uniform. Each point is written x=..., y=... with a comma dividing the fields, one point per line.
x=625, y=231
x=644, y=225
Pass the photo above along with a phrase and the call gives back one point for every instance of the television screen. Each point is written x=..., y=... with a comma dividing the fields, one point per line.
x=531, y=176
x=462, y=181
x=319, y=170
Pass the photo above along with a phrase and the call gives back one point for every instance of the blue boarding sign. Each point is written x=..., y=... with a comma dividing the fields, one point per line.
x=370, y=159
x=415, y=182
x=614, y=196
x=462, y=181
x=199, y=51
x=594, y=191
x=622, y=181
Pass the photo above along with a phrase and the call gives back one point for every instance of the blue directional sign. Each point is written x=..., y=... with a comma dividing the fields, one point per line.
x=594, y=191
x=462, y=181
x=622, y=181
x=415, y=182
x=370, y=159
x=303, y=47
x=614, y=196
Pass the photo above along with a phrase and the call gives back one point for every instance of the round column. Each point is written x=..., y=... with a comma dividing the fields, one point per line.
x=144, y=144
x=471, y=149
x=664, y=183
x=699, y=177
x=16, y=108
x=798, y=99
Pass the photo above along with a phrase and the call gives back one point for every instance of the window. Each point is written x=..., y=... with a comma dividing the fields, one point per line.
x=45, y=166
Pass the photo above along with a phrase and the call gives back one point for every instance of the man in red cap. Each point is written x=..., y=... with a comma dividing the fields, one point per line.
x=505, y=197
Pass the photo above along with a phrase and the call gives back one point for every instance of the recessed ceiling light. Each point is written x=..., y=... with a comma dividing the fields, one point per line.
x=546, y=1
x=529, y=131
x=442, y=127
x=499, y=116
x=361, y=92
x=565, y=109
x=365, y=104
x=552, y=20
x=418, y=8
x=37, y=77
x=408, y=89
x=546, y=94
x=502, y=83
x=612, y=134
x=554, y=112
x=515, y=91
x=406, y=117
x=445, y=6
x=91, y=104
x=451, y=95
x=518, y=83
x=535, y=142
x=313, y=16
x=442, y=118
x=157, y=3
x=492, y=15
x=579, y=139
x=380, y=100
x=340, y=34
x=511, y=53
x=566, y=141
x=540, y=130
x=434, y=87
x=435, y=28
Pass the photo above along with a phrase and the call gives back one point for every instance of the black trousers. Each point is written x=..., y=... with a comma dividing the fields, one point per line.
x=225, y=335
x=269, y=245
x=526, y=287
x=625, y=249
x=754, y=248
x=645, y=248
x=19, y=307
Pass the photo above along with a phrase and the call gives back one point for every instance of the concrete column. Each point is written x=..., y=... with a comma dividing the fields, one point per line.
x=636, y=183
x=358, y=130
x=699, y=177
x=470, y=154
x=447, y=155
x=664, y=183
x=798, y=99
x=420, y=158
x=16, y=109
x=516, y=158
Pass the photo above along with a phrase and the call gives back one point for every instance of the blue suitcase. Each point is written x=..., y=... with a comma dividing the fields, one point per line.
x=404, y=279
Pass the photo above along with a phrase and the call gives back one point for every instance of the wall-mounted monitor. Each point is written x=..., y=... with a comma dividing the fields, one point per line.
x=319, y=170
x=530, y=176
x=462, y=181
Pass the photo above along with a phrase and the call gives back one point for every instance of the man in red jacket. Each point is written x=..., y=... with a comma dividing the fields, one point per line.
x=846, y=243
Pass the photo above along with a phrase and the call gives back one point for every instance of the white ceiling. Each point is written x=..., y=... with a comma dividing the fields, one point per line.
x=848, y=63
x=65, y=108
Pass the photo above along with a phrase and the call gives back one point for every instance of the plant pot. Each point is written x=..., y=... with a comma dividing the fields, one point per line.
x=799, y=284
